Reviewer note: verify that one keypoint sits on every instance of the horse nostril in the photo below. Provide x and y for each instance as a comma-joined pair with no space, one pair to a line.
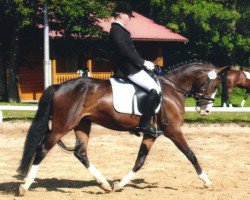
207,111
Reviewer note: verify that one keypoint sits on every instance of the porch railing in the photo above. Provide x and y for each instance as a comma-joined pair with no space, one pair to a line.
62,77
101,75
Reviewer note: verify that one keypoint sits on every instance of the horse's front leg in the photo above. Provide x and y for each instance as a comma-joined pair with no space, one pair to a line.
145,147
82,138
230,91
176,136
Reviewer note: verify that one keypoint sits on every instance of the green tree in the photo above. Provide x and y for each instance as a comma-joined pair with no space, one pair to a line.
216,29
15,16
76,17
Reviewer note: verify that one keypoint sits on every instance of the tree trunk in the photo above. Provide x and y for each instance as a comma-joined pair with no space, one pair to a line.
13,77
3,75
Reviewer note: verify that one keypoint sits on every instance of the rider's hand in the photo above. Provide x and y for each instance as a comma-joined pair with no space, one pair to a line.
149,65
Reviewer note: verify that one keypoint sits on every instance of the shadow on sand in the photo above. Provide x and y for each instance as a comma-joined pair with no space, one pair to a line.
59,184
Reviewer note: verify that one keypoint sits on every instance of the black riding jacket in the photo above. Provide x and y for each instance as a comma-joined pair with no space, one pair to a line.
129,60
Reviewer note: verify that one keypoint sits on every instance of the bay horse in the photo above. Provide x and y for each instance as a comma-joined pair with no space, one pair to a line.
233,79
76,104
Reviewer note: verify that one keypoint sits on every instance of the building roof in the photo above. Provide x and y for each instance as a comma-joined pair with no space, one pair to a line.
145,29
141,29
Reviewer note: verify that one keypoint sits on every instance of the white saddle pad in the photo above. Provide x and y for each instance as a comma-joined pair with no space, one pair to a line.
124,99
247,74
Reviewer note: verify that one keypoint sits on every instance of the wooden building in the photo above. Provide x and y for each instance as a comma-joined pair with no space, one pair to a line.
71,55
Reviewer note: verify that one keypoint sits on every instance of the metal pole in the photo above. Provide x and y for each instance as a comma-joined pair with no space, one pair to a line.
47,61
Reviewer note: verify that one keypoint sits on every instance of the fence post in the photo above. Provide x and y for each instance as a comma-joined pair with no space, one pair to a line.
54,77
1,116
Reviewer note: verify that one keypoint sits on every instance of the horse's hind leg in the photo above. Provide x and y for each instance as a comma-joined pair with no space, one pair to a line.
82,137
41,152
244,100
145,147
175,134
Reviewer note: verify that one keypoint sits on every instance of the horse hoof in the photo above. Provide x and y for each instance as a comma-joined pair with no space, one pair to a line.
209,185
22,190
116,186
106,187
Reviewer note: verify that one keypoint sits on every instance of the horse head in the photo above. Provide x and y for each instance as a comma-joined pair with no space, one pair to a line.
206,88
197,79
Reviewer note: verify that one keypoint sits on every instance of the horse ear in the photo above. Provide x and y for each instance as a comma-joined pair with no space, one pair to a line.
222,69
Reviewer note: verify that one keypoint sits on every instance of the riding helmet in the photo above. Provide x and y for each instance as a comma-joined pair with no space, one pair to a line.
123,7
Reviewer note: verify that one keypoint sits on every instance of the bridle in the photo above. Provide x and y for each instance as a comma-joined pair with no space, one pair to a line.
199,97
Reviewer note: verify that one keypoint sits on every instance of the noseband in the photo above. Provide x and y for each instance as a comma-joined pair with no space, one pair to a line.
202,96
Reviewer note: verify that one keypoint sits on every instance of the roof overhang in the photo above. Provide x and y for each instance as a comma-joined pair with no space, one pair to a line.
144,29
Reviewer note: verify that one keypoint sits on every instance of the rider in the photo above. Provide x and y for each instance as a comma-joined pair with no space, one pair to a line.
132,66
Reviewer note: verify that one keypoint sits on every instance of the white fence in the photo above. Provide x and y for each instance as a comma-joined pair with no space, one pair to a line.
29,108
187,109
222,109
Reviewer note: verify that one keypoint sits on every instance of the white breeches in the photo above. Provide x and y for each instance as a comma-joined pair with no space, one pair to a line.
143,79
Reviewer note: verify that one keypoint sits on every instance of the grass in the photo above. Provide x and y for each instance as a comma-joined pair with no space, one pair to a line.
9,115
242,118
236,98
18,115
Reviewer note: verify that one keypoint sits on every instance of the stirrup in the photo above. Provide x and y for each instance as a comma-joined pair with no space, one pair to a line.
135,132
154,133
139,131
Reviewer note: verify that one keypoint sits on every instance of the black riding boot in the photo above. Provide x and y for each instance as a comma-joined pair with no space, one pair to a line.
149,108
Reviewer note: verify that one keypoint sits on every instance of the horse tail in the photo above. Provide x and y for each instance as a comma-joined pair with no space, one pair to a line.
38,130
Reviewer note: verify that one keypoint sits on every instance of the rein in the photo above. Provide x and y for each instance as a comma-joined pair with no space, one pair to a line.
183,91
198,98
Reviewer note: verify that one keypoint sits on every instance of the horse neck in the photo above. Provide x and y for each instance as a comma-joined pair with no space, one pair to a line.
183,78
243,81
233,78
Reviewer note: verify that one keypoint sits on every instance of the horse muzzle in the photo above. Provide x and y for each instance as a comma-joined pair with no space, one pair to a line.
204,109
204,104
203,112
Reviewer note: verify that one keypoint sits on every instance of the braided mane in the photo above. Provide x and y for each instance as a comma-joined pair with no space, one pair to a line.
186,63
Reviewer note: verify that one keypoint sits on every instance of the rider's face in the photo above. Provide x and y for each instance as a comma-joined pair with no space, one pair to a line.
125,18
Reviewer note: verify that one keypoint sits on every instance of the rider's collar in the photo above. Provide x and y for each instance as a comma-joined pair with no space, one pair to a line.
119,23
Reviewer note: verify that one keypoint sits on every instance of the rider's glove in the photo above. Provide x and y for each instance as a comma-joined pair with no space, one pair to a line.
149,65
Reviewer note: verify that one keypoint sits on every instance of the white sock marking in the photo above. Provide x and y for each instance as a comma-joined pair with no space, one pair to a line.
126,179
242,103
99,177
205,178
30,177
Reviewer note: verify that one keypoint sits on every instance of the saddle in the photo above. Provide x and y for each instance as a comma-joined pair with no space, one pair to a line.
128,98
